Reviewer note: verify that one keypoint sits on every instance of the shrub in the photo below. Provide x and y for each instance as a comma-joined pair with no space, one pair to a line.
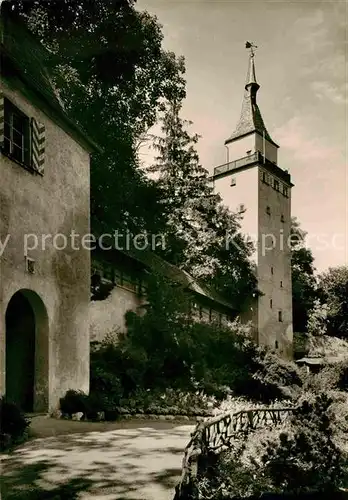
278,378
12,423
343,377
331,377
73,402
297,458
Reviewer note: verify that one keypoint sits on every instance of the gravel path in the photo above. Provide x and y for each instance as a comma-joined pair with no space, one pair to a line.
129,460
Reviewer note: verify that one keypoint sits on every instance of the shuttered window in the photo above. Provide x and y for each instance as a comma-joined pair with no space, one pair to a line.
16,134
22,139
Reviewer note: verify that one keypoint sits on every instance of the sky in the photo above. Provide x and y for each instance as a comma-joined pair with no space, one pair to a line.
301,66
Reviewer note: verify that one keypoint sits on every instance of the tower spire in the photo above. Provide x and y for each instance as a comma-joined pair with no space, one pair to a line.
251,76
250,119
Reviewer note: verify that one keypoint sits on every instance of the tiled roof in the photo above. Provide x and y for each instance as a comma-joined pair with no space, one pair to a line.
250,119
158,265
28,56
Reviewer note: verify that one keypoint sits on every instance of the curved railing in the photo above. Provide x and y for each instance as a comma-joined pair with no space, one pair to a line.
216,434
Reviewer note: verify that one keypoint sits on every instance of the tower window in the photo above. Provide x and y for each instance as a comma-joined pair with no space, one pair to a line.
282,218
276,184
281,284
268,210
276,345
271,303
280,316
285,191
272,270
264,177
233,181
241,207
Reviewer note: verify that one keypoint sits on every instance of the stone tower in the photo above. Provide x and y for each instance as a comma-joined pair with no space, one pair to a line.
252,182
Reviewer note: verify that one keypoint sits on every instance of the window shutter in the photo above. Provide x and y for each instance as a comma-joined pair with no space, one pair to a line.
38,145
2,119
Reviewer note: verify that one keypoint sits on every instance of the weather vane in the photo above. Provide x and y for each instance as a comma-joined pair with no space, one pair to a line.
252,47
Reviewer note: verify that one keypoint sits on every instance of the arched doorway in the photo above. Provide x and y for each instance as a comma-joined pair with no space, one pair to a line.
27,351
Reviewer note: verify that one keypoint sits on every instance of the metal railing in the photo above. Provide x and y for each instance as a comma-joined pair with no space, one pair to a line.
241,162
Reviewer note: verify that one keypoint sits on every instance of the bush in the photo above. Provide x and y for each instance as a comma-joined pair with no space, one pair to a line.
343,377
167,348
73,402
299,457
278,378
88,404
13,424
331,377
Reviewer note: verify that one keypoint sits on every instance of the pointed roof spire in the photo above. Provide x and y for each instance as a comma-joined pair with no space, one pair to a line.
250,119
251,77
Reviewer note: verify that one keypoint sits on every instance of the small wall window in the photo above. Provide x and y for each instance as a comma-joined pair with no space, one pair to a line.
272,270
280,316
281,284
276,345
108,274
268,210
125,280
30,265
271,303
129,282
242,207
233,181
205,314
282,218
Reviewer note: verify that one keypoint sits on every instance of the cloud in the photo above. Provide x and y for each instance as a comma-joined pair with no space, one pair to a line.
322,39
295,136
311,32
335,93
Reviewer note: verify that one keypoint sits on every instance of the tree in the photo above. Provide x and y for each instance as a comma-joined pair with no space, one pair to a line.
203,237
113,76
333,286
317,319
304,286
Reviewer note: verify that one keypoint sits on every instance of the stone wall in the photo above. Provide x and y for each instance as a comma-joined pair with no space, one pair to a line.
108,316
59,289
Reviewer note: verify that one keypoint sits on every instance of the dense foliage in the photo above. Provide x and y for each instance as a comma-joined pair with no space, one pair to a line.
168,348
300,458
333,286
304,286
13,424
